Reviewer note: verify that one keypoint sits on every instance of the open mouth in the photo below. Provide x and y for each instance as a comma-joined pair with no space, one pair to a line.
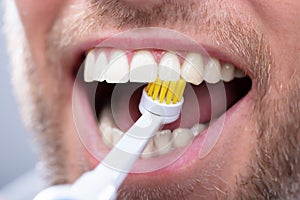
119,77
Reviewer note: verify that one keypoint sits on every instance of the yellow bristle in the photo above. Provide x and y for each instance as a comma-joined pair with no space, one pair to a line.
180,86
170,92
157,86
175,97
164,89
151,89
148,86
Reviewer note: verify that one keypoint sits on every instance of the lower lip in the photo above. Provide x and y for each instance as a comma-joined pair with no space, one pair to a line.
178,159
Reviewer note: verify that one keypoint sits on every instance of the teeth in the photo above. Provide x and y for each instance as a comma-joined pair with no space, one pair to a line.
239,73
105,126
227,72
89,67
197,129
116,135
101,67
182,137
212,71
118,68
143,67
106,135
162,141
169,67
149,150
192,69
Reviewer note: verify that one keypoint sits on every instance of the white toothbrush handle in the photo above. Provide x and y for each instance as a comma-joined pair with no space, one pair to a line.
103,182
106,178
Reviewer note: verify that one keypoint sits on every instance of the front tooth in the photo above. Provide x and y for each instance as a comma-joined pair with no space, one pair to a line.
89,67
182,137
101,67
192,69
239,73
169,67
148,152
143,67
116,135
118,68
227,72
212,71
162,141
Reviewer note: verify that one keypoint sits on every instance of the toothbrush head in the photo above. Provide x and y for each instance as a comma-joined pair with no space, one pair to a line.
163,98
168,91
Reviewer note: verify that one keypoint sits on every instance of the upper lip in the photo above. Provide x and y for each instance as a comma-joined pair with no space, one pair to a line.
154,38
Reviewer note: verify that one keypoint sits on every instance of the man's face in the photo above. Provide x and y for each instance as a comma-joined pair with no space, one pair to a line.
257,152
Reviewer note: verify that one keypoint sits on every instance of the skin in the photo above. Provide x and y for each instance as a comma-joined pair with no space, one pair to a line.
261,158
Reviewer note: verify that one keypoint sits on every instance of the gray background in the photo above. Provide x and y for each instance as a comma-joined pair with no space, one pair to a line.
16,155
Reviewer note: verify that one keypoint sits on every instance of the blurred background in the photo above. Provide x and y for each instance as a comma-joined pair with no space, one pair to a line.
16,155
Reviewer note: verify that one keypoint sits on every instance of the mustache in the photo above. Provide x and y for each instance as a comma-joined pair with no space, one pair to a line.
125,14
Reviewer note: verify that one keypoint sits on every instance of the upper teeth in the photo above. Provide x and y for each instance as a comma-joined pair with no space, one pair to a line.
143,67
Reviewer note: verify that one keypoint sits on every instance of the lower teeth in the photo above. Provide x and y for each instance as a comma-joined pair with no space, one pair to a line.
162,143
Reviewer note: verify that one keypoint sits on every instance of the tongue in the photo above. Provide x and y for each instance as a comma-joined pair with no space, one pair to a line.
201,103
